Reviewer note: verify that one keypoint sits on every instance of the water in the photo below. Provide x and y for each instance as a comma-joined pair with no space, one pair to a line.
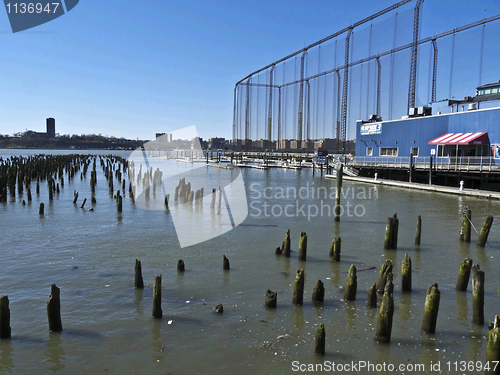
107,323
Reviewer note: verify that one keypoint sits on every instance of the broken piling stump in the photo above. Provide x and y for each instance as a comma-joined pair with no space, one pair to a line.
382,276
225,263
485,231
138,281
406,274
338,190
431,309
391,233
41,210
303,246
287,244
319,347
477,295
54,310
351,285
298,288
83,204
5,331
180,266
335,249
271,299
318,294
418,231
466,225
219,309
464,274
493,347
386,313
278,251
372,296
157,312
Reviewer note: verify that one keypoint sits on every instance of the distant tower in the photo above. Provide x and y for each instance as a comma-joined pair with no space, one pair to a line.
51,127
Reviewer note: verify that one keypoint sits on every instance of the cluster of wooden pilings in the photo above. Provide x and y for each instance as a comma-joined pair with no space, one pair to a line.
17,174
384,285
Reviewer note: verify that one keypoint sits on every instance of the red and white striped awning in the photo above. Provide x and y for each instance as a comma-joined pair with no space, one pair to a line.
461,139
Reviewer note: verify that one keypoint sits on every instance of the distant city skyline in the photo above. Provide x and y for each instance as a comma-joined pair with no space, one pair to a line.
119,68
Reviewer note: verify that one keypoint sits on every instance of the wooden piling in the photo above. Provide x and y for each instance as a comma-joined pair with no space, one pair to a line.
391,233
431,309
76,198
477,295
382,276
225,263
167,198
180,266
464,274
286,249
119,203
83,204
220,201
219,309
41,210
5,331
303,246
138,281
351,285
319,347
54,310
418,231
271,299
372,296
298,288
318,294
386,313
212,203
465,227
406,274
493,348
338,190
335,249
157,312
485,231
278,251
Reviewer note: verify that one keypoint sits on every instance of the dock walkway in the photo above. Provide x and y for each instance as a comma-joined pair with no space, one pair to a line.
434,188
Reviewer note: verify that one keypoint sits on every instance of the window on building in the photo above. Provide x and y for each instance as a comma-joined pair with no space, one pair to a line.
487,91
494,91
388,151
481,92
414,151
369,151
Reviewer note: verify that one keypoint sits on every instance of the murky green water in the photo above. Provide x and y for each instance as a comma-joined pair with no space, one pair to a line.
108,326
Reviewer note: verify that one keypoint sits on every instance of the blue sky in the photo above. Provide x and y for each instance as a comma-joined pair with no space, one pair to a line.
134,68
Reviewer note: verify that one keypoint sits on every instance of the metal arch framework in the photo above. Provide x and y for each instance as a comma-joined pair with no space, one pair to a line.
343,115
434,70
414,49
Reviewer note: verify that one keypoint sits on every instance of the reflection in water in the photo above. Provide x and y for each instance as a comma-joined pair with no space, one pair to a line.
429,355
138,293
336,274
481,255
318,309
463,249
475,343
54,352
286,266
462,308
350,313
6,362
404,309
383,355
298,317
155,339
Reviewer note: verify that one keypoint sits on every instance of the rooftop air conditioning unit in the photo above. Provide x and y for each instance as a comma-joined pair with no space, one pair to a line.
472,107
412,112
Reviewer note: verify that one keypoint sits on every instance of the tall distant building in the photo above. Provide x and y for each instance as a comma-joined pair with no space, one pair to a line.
51,127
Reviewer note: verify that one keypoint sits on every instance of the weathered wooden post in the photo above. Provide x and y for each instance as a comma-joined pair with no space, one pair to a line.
318,294
319,347
41,209
466,225
157,312
351,285
389,227
278,251
83,204
180,266
220,201
219,309
372,296
477,295
167,198
406,274
76,198
38,188
298,288
5,331
485,231
464,274
212,203
271,299
30,198
335,249
54,310
431,309
493,348
138,281
419,230
382,276
303,246
386,313
225,263
287,244
119,203
338,208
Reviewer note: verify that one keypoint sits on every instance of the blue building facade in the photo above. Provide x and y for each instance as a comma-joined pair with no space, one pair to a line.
465,123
